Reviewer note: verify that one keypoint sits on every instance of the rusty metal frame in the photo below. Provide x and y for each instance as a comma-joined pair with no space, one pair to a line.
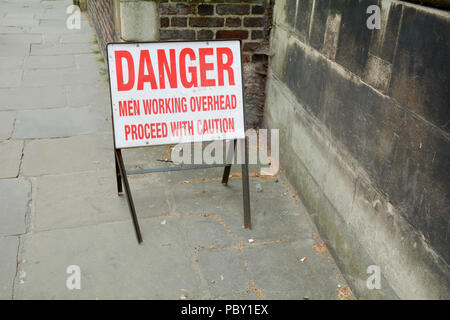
122,176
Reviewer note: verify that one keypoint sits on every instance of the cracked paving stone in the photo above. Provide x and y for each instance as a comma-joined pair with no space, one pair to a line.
205,232
8,262
79,199
277,267
227,263
10,156
56,123
66,155
113,265
32,98
272,219
15,195
7,119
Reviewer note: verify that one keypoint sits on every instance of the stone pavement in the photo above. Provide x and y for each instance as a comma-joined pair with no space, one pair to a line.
59,206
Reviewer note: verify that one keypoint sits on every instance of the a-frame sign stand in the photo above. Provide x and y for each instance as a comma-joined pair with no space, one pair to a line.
121,175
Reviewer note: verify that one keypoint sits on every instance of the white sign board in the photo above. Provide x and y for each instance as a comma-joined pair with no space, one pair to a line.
176,92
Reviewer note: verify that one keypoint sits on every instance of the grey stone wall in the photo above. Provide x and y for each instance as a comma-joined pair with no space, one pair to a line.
364,126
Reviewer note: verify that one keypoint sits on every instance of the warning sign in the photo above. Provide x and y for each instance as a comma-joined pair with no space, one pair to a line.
175,92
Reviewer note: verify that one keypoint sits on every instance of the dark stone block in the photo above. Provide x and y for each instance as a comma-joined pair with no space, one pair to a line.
305,77
406,158
419,181
354,36
303,17
420,77
383,45
365,122
290,8
319,23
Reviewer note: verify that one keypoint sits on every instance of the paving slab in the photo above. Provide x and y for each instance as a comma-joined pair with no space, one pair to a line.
8,63
16,49
6,124
112,265
93,61
95,77
67,201
82,95
277,268
10,156
8,262
19,15
13,30
226,264
42,77
50,62
144,158
63,122
13,79
63,48
58,26
32,98
205,232
20,38
19,22
84,38
65,155
275,214
14,197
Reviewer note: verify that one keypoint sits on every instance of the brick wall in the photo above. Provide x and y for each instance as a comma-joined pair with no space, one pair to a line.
226,19
101,15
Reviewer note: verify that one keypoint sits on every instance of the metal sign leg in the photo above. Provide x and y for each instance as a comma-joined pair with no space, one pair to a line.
246,189
230,155
123,173
118,176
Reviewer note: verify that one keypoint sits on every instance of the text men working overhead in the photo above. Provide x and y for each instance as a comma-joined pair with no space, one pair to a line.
176,92
173,92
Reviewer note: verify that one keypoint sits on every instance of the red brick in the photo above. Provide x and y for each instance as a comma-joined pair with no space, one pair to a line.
205,35
205,9
232,34
178,22
164,22
236,9
206,22
177,34
253,22
233,22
